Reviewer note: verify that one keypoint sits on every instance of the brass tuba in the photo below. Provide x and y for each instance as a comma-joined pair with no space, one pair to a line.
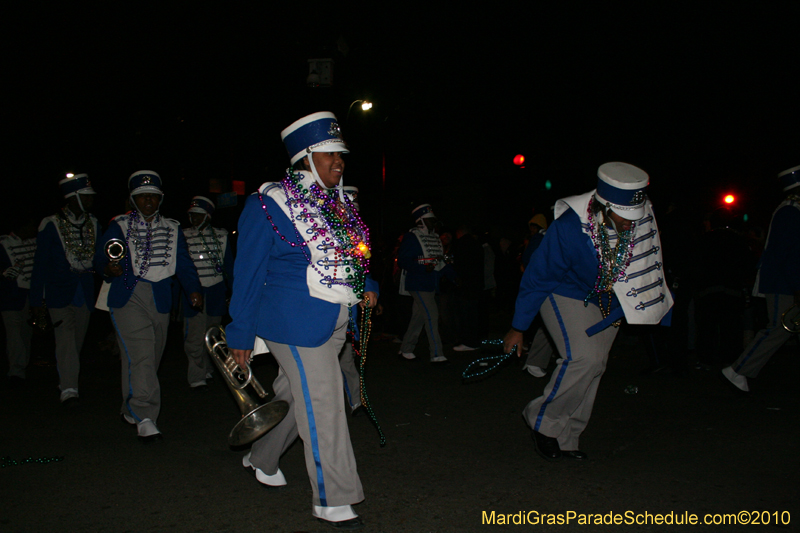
256,419
790,319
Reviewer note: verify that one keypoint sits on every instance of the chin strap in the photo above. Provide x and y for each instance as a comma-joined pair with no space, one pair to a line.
339,187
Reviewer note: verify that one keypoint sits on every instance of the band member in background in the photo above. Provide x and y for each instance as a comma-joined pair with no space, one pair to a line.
63,277
213,259
16,265
140,295
778,281
306,266
598,263
422,259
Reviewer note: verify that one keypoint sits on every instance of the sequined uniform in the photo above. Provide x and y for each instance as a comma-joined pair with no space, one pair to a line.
140,301
279,294
213,258
561,274
16,264
63,279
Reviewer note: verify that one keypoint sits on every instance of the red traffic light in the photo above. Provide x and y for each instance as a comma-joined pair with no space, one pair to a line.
729,199
519,160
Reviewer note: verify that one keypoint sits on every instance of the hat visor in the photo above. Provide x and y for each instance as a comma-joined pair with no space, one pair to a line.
334,145
146,189
198,210
87,190
628,212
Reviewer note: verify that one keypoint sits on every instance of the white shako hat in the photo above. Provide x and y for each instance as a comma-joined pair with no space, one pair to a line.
422,211
621,187
76,184
318,132
201,205
790,178
144,181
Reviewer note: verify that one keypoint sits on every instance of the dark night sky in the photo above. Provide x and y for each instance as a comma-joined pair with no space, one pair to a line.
703,98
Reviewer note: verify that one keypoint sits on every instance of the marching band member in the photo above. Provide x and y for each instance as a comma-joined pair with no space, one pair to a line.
16,264
140,296
306,267
62,277
778,281
598,263
213,259
421,257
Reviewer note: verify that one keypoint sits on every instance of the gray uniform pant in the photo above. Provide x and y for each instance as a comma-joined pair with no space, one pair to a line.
142,335
541,350
310,380
194,344
564,408
352,379
18,340
768,340
69,341
425,314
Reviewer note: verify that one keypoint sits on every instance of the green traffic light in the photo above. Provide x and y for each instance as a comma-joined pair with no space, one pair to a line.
548,185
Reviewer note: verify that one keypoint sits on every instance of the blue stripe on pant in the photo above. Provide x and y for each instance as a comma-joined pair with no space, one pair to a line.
312,426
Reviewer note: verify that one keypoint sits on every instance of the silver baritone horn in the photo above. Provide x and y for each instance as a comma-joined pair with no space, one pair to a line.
115,250
256,419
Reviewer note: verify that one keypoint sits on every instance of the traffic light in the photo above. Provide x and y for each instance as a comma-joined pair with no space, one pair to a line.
729,199
519,160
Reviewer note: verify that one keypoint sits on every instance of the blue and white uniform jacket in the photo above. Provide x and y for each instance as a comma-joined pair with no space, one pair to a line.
213,260
168,256
565,263
59,277
272,296
779,270
418,249
18,253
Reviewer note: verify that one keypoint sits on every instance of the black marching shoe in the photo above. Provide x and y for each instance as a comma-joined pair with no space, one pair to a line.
574,454
546,447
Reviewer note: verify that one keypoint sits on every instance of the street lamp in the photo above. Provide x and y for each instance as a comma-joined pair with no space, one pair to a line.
365,106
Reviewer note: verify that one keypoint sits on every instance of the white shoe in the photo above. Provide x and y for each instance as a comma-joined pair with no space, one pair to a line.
740,382
201,383
535,371
464,348
69,394
439,359
339,513
147,430
129,419
408,355
275,480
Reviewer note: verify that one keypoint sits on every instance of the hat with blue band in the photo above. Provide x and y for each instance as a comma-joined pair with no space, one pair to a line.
77,184
422,211
318,132
201,205
790,178
622,188
144,181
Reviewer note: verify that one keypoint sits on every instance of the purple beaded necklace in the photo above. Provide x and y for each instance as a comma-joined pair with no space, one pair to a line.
611,262
340,228
143,249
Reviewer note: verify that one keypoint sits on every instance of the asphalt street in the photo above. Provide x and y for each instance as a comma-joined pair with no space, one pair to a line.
456,452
